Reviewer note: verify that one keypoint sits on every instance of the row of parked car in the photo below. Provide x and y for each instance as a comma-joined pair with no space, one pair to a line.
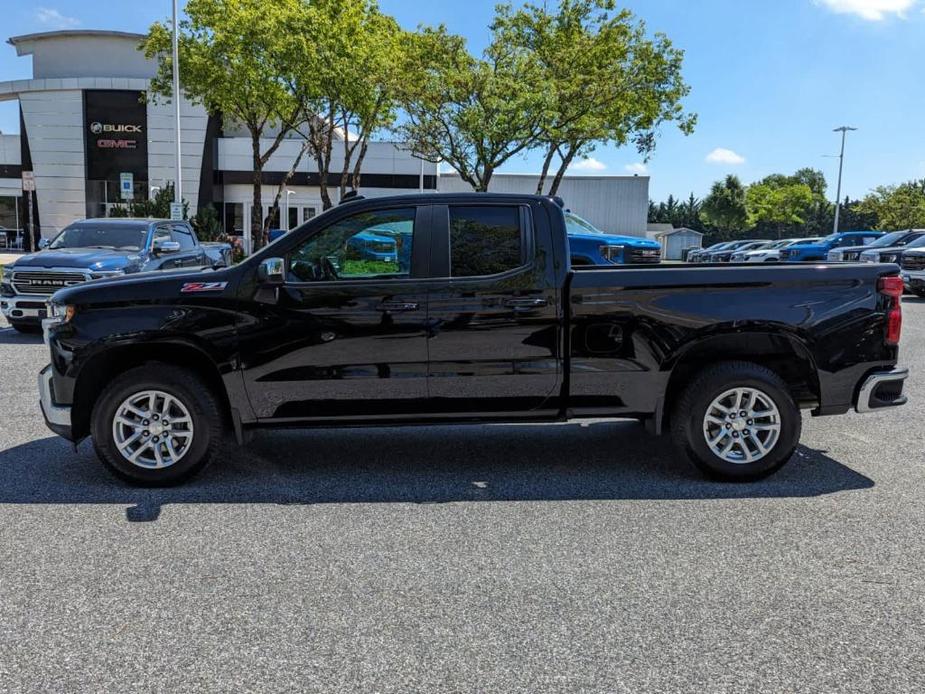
905,248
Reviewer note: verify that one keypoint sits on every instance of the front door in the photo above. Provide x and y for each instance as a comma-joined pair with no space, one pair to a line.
344,337
493,319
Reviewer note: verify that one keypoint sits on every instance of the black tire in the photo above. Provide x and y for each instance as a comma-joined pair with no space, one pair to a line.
182,384
688,419
26,328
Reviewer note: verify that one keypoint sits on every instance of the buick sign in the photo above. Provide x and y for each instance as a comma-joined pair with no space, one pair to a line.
97,128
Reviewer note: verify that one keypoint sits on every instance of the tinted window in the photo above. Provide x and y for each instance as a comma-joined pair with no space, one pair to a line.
484,240
89,235
183,236
369,245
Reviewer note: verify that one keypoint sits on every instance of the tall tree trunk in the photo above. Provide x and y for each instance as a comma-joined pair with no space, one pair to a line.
257,202
355,182
282,186
564,164
485,179
348,155
546,164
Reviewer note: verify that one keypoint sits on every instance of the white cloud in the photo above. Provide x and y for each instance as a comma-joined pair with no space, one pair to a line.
589,164
637,168
721,155
51,17
871,10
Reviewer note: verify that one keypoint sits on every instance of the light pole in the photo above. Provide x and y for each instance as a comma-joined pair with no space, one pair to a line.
841,160
178,186
288,193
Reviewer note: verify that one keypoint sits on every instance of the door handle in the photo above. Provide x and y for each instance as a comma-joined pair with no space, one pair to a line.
398,306
525,303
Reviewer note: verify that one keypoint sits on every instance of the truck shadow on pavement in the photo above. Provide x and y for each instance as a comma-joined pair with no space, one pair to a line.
9,336
612,460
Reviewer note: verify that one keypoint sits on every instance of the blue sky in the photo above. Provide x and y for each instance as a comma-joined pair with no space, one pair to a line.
770,79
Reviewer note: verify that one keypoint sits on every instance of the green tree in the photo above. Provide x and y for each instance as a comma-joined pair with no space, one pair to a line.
604,79
230,51
157,207
777,204
724,208
896,207
473,113
343,62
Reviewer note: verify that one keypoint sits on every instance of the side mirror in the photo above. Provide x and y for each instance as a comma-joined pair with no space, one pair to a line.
272,271
162,247
44,243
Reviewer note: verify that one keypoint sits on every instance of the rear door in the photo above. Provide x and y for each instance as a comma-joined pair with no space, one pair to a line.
493,326
344,337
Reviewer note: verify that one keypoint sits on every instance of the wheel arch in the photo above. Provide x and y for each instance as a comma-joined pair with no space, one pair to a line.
787,354
106,364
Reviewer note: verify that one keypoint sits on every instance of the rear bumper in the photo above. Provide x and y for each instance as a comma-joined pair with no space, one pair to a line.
882,389
57,417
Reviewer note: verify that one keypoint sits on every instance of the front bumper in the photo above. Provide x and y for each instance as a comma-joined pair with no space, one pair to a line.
24,308
882,389
914,279
57,417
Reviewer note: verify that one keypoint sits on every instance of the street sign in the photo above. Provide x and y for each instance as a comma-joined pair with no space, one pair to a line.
176,211
28,181
127,186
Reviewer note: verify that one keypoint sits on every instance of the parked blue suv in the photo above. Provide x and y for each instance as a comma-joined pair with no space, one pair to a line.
819,250
588,245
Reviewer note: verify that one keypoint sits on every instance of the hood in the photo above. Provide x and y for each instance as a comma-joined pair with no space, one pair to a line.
96,259
617,240
139,286
853,249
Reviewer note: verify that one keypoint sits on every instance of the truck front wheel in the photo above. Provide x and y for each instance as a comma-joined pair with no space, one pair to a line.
737,421
156,425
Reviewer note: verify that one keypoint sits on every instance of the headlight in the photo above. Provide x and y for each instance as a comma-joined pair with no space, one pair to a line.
7,274
102,274
611,253
60,313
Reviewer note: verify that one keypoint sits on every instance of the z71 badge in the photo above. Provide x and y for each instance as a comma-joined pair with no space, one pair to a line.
192,287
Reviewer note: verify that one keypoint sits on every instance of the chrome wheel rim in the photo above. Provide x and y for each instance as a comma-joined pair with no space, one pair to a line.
742,425
152,429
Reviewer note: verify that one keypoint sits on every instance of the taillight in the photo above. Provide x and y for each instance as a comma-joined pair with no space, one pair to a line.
892,287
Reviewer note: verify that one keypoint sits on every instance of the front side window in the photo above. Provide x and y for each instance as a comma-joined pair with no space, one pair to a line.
484,240
369,245
183,236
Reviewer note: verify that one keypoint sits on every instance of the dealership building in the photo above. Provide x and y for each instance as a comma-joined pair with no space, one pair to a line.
90,138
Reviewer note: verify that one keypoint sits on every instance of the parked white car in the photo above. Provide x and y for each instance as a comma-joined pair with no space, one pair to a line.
771,252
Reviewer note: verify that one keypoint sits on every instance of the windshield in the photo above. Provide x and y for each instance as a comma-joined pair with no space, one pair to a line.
576,225
887,239
111,236
918,243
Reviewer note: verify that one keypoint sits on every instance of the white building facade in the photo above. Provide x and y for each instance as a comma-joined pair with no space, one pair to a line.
87,126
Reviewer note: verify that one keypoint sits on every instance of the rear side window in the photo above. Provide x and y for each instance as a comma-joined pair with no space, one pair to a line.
485,240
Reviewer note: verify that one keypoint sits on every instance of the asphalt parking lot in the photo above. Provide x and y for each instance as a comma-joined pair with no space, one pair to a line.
558,558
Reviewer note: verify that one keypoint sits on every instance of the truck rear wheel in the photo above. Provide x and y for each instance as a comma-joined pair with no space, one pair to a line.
737,421
156,425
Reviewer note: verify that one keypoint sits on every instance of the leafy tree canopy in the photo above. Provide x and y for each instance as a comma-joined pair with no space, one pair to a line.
897,207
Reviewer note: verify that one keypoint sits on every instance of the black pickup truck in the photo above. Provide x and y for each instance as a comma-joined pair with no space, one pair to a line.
476,317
